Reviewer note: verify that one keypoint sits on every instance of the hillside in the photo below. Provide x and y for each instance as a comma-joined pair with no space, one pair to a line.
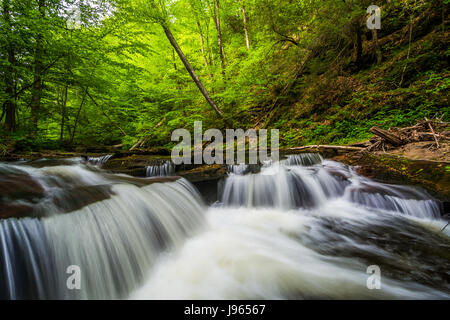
130,72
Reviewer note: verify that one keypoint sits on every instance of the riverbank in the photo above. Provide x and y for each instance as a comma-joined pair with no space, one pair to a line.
412,164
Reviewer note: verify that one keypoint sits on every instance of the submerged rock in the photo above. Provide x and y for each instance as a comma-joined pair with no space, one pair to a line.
15,184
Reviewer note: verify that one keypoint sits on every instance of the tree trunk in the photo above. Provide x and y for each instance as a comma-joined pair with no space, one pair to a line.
377,46
191,71
104,113
63,113
358,44
202,42
247,41
174,60
216,18
36,92
208,46
10,104
78,116
320,146
3,113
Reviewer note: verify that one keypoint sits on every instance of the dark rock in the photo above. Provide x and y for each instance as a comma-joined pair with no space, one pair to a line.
14,210
133,165
19,185
204,173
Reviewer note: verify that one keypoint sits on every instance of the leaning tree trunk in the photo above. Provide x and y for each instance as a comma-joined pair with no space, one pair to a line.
191,70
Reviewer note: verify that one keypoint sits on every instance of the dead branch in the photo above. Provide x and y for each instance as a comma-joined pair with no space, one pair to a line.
395,137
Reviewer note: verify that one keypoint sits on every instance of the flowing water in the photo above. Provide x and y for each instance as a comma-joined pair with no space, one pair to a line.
299,229
98,161
165,169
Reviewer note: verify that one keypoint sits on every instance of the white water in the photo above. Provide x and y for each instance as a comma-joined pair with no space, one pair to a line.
165,169
272,237
114,241
289,232
99,161
259,254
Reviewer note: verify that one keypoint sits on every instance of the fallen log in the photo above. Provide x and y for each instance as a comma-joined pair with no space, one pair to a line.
363,144
387,136
321,146
137,144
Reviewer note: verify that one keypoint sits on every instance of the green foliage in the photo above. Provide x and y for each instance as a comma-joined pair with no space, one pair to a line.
117,79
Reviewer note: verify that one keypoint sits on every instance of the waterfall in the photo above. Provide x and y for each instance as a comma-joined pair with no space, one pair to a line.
305,181
165,169
300,228
309,228
99,161
272,254
239,169
303,159
26,269
113,241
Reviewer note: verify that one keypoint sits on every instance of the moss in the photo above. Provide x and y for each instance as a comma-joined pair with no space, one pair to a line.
430,175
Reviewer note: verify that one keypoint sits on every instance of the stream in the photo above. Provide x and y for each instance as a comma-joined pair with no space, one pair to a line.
301,228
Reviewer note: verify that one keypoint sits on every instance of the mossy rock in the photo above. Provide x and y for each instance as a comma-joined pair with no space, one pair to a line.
204,173
433,176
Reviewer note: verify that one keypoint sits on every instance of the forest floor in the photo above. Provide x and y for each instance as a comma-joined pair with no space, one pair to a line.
422,151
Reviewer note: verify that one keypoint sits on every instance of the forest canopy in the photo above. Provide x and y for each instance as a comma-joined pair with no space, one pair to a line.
98,72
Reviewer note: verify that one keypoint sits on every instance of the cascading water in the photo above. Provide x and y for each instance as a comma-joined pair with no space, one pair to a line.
114,239
301,228
305,181
239,169
98,161
165,169
304,159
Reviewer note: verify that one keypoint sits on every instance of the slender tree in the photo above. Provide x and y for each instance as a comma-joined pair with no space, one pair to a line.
36,92
377,46
9,106
215,10
156,11
196,7
244,16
